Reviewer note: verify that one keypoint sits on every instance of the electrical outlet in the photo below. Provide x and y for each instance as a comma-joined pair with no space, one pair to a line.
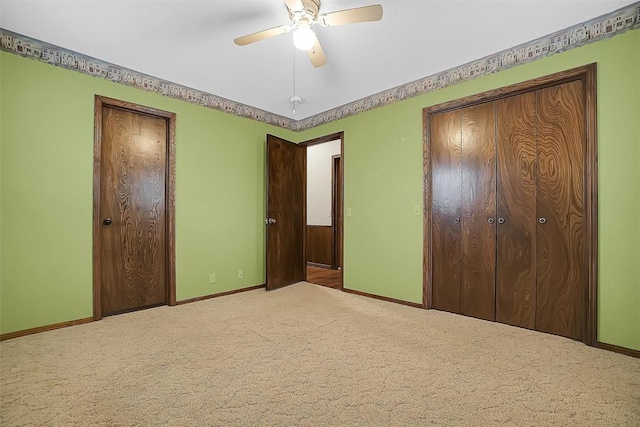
416,210
241,274
212,278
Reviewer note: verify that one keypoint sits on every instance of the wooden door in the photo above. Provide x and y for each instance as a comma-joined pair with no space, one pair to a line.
132,213
478,211
516,256
286,212
560,208
446,260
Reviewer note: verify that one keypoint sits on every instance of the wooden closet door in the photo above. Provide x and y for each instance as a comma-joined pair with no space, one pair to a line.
446,204
560,228
516,251
133,256
478,211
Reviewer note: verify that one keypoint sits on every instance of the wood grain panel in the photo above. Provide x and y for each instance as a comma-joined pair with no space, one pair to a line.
446,210
591,203
324,276
336,210
319,244
573,74
516,253
525,186
427,200
478,206
286,203
560,240
133,253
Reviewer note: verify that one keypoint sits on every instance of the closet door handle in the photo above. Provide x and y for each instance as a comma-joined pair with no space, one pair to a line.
500,220
542,220
491,220
457,220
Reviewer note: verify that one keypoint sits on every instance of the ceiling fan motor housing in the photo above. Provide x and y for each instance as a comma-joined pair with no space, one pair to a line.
309,11
304,15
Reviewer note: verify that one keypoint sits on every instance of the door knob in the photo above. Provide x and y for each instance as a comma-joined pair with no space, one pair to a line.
542,220
457,220
500,220
491,220
106,221
272,220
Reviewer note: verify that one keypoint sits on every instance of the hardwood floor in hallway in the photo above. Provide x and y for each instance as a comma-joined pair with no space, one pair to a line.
324,276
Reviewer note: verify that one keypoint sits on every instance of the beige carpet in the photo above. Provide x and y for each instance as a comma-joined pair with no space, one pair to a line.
310,356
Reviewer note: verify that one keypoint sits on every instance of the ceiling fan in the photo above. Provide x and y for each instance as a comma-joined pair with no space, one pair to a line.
304,14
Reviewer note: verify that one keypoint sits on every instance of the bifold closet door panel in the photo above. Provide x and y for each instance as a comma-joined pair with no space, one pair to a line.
560,233
516,250
445,224
478,211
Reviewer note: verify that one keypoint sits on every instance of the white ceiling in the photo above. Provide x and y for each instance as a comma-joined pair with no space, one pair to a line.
191,42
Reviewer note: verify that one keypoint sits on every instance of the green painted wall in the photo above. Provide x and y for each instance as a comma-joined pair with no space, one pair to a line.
383,181
1,57
46,197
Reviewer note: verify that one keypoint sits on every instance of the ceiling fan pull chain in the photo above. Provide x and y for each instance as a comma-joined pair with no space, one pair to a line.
294,98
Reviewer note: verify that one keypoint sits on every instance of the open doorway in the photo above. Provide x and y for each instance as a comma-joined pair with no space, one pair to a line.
323,253
297,249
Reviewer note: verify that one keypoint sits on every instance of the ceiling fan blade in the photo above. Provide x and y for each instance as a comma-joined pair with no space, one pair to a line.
317,55
261,35
351,16
294,5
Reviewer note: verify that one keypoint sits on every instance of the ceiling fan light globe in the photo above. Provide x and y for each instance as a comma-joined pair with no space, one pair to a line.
304,38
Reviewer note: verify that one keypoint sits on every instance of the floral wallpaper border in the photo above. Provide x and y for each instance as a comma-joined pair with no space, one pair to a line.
595,29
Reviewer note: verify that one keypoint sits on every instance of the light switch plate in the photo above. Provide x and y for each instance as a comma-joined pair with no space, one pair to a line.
348,211
416,210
